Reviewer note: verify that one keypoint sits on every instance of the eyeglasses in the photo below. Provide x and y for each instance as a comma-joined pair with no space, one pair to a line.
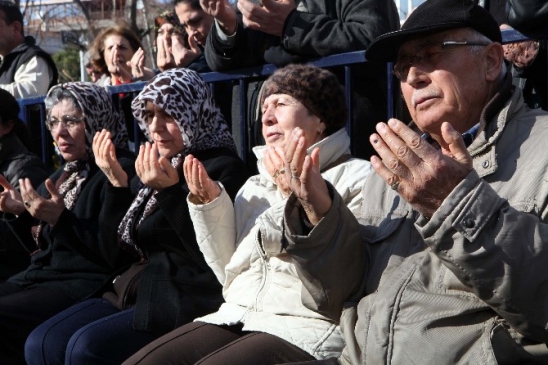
67,121
427,57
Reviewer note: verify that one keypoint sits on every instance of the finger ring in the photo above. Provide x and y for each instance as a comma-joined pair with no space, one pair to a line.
395,186
295,176
27,204
278,173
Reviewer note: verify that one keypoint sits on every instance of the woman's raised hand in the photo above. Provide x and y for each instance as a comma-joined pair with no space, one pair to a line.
46,209
164,58
105,158
154,170
137,64
305,179
200,185
274,162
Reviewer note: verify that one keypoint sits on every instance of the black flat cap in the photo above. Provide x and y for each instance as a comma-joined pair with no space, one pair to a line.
434,16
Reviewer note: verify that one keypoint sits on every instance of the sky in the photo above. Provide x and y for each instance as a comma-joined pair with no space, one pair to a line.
403,6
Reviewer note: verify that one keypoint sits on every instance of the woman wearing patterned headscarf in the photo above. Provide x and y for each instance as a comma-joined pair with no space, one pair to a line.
61,218
174,284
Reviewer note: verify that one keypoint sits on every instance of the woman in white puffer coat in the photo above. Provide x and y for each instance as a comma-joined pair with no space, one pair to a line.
263,319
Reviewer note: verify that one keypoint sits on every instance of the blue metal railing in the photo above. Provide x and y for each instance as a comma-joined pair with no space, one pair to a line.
33,109
35,105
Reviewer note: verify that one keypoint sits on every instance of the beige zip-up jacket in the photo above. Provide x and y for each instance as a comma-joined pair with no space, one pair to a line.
244,247
468,286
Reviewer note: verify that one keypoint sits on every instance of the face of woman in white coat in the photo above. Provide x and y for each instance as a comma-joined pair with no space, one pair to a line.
281,114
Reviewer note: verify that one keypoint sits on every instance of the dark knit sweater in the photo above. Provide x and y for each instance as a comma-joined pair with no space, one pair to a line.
177,285
75,257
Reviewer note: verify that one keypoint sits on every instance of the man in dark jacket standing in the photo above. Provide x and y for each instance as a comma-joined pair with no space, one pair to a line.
25,69
292,31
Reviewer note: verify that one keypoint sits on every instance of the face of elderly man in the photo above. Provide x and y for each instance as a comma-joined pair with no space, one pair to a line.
447,83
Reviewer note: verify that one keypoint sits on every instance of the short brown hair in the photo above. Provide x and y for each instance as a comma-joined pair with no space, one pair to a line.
97,48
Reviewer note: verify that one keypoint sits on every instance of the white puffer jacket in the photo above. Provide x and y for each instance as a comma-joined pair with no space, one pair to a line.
243,245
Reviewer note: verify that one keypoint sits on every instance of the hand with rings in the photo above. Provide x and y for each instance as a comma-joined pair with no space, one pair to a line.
10,199
278,173
274,162
420,173
306,181
46,209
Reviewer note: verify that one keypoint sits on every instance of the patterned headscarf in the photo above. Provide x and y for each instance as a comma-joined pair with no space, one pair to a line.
99,113
98,110
185,96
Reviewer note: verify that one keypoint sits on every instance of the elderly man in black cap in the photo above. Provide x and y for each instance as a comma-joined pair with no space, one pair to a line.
452,233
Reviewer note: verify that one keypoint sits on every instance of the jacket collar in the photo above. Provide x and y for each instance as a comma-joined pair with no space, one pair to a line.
494,119
28,41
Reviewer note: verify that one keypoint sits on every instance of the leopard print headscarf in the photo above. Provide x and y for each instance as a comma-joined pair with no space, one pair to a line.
99,113
98,110
186,97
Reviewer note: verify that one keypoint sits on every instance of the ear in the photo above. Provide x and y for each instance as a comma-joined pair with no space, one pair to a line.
494,56
17,28
8,126
321,127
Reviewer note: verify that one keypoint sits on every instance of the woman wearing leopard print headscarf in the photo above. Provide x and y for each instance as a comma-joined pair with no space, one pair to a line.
59,221
178,116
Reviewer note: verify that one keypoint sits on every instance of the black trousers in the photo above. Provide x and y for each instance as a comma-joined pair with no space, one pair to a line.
21,310
208,344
